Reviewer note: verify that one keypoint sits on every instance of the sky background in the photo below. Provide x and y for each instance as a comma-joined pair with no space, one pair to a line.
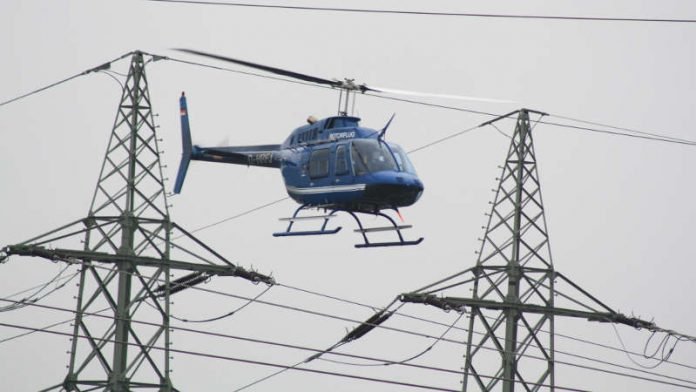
620,210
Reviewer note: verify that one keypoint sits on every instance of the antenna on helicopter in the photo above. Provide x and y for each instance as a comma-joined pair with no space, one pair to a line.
384,130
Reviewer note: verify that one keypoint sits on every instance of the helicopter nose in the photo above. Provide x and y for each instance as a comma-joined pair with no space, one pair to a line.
399,192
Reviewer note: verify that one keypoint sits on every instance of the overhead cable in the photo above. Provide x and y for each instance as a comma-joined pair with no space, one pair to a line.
242,360
98,68
617,131
214,356
431,13
393,329
321,352
228,314
655,134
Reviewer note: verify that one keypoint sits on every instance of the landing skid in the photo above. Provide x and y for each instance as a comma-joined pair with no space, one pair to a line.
361,229
288,232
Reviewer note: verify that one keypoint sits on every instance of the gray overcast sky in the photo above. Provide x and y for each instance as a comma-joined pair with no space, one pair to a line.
620,211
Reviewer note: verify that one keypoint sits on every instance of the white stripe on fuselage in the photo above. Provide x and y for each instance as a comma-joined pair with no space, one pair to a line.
326,189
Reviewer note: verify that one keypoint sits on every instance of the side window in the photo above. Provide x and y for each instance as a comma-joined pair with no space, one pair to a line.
319,163
341,160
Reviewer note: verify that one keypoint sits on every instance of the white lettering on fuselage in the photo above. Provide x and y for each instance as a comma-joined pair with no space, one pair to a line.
342,135
264,158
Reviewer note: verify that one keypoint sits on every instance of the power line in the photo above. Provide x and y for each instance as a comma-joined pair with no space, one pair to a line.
234,359
417,333
638,134
243,339
42,286
625,131
441,338
98,68
284,367
405,315
444,139
37,296
431,13
393,329
228,314
239,215
411,358
461,343
644,135
655,134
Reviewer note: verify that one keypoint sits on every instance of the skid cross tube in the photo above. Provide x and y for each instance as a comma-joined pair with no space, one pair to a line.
361,229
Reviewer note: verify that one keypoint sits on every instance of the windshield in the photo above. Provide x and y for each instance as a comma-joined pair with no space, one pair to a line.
369,156
402,159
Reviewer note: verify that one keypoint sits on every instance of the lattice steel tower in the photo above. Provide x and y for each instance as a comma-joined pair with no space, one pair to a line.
126,260
515,291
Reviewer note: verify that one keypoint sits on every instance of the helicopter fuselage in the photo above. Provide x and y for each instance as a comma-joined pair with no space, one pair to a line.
332,163
338,164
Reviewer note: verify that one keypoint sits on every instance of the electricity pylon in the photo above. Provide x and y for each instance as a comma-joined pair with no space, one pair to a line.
127,259
515,291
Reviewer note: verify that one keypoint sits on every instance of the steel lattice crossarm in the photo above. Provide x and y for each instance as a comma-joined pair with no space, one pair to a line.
459,304
205,265
585,305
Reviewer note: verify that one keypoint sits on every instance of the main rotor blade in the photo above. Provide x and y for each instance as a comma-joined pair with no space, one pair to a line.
435,95
278,71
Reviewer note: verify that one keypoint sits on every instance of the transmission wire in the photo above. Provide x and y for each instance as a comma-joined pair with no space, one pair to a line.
233,312
432,337
409,359
215,356
42,285
619,128
36,297
334,373
409,332
431,13
319,352
88,71
393,329
638,134
403,331
283,367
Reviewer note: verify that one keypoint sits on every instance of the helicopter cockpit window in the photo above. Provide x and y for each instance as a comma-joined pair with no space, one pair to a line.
319,163
341,160
369,156
402,159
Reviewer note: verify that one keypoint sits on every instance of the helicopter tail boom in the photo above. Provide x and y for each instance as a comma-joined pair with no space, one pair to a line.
268,155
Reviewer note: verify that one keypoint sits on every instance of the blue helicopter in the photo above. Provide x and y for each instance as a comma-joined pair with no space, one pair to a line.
331,164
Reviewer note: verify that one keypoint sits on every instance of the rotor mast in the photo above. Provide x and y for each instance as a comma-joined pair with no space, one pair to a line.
347,90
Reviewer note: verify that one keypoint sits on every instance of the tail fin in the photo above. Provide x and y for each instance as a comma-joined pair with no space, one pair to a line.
186,145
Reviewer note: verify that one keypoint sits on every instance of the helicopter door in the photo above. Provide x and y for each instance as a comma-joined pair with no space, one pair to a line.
319,167
342,173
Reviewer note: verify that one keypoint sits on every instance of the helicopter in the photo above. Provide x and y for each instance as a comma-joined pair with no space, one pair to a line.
332,164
